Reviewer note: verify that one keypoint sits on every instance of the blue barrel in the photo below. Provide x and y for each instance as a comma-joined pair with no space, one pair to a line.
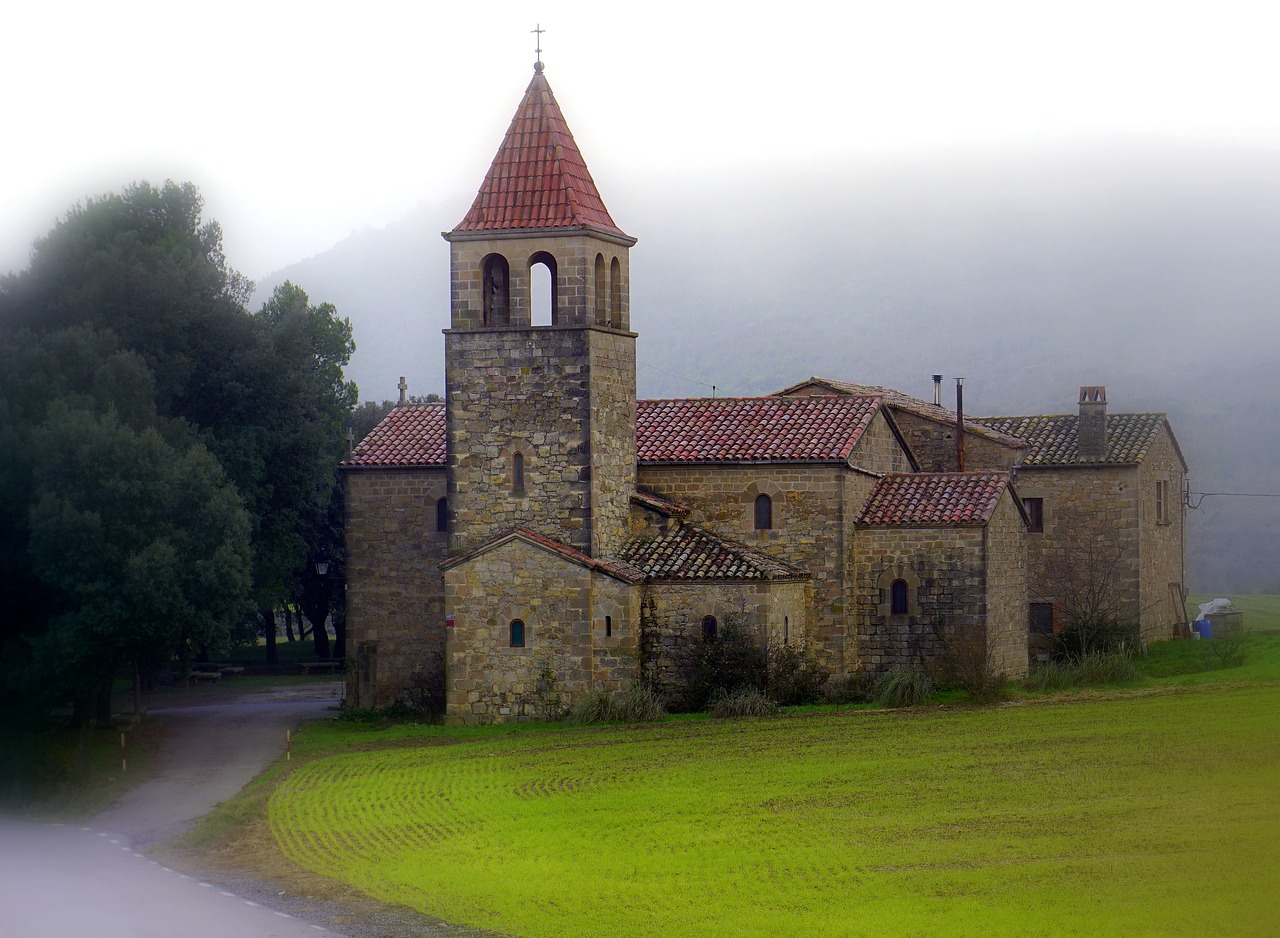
1206,628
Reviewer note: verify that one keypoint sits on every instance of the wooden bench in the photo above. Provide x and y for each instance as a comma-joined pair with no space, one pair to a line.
327,666
201,677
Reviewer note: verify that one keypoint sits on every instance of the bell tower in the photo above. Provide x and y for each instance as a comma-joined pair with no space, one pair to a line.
540,404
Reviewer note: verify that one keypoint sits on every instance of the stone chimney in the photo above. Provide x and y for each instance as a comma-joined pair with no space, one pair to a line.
1092,442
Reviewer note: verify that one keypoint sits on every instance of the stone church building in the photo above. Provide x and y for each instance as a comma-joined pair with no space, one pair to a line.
543,524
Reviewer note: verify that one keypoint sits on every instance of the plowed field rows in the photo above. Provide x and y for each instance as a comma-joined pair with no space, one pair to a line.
1148,815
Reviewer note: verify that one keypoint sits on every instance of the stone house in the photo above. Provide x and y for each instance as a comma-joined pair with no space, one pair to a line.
542,532
1104,494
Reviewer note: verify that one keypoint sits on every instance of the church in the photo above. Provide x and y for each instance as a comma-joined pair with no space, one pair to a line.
544,527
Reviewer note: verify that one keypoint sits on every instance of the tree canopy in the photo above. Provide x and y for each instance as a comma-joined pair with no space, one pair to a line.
172,455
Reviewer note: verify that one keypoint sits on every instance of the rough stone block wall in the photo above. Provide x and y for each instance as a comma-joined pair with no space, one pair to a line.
1008,616
1162,543
934,445
1091,536
565,399
946,567
673,613
878,449
813,508
395,590
491,682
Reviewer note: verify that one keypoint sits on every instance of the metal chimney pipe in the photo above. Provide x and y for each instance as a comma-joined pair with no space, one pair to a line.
937,390
960,424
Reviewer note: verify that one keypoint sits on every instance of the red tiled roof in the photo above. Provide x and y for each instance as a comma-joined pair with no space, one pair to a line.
934,498
659,504
700,430
690,553
1054,439
751,429
915,405
538,178
410,435
617,569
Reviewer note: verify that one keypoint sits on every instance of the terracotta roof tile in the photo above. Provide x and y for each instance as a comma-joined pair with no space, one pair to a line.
1054,439
700,430
751,429
915,405
538,179
690,553
410,435
659,504
933,498
615,568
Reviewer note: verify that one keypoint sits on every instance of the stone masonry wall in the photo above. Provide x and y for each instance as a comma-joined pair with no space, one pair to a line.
878,449
564,398
562,605
1007,614
934,445
771,613
812,510
944,570
1162,542
395,590
1090,536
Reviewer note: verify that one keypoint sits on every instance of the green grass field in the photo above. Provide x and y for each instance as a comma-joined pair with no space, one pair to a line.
1261,613
1149,812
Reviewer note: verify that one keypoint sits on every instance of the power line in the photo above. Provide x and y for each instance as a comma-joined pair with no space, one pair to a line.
1201,496
670,374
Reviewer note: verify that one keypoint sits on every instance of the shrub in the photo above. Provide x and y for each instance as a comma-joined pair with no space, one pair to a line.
901,688
1098,667
638,705
743,702
794,676
730,661
967,662
845,688
1226,649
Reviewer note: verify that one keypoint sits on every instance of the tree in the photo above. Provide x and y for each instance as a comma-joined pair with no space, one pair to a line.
142,543
264,393
1093,599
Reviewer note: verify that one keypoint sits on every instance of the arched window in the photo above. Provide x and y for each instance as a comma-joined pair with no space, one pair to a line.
608,626
497,291
517,472
898,598
442,514
615,294
764,512
786,630
516,632
710,628
602,293
542,290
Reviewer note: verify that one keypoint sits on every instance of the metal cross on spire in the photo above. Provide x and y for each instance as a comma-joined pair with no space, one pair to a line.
537,66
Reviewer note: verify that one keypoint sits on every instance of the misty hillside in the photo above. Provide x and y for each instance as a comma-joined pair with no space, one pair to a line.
1152,273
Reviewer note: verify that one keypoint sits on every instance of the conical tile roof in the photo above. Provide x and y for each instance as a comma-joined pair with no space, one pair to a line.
538,179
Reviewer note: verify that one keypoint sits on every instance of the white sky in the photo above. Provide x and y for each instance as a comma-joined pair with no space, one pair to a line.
303,121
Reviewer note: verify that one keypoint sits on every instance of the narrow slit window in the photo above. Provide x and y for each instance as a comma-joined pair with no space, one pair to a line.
442,515
898,598
608,626
764,512
517,633
517,472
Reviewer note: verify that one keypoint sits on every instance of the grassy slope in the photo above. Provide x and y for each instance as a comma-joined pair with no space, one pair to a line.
1151,812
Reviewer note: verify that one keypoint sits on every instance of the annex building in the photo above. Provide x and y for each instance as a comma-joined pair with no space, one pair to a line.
542,524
